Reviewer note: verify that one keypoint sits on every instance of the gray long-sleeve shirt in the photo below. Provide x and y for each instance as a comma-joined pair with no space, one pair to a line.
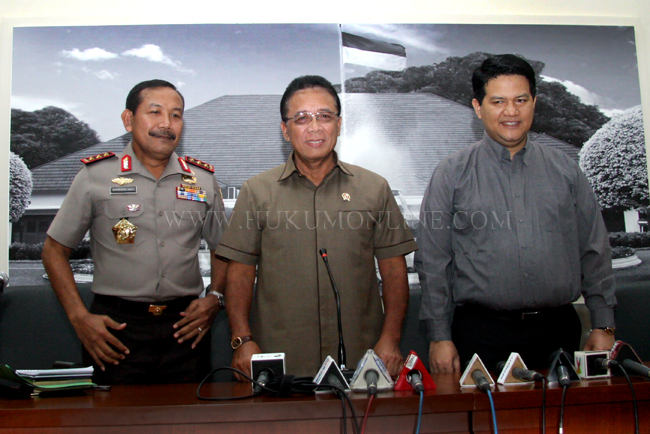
511,234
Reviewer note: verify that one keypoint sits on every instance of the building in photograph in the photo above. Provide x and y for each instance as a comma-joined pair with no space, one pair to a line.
402,136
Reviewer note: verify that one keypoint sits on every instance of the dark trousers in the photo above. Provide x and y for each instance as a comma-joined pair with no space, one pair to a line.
155,356
493,335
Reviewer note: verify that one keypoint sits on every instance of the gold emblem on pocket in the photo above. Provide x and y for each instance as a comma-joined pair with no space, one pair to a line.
124,232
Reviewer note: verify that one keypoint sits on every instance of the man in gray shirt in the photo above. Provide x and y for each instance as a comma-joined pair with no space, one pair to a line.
511,235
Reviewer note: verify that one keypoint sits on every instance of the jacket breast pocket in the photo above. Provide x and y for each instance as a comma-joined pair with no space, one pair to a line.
188,220
110,213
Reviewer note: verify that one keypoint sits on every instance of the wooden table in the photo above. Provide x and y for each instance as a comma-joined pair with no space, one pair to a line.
592,407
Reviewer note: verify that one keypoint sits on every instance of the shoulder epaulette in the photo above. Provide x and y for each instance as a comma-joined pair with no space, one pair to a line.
97,157
199,163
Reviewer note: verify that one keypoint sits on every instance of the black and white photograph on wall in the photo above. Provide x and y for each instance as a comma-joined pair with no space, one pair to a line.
406,104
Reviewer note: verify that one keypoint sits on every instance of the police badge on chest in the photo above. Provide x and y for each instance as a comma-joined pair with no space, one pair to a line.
124,232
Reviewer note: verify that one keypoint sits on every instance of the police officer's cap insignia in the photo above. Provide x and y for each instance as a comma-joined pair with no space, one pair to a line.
199,163
121,180
189,179
97,157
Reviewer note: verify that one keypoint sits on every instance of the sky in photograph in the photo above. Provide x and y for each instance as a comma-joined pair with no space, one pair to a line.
88,70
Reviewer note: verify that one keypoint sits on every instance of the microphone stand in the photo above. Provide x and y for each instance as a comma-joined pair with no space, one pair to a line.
347,373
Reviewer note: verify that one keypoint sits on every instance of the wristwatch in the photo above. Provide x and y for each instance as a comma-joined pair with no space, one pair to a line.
220,297
239,341
608,330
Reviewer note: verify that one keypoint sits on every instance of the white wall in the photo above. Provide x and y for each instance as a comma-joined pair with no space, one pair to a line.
101,12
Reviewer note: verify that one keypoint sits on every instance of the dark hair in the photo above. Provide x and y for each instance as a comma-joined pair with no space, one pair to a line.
307,82
134,98
503,64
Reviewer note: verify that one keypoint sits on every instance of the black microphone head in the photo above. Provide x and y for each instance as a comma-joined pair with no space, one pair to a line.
636,368
563,375
265,376
499,367
323,252
333,380
371,376
481,380
415,379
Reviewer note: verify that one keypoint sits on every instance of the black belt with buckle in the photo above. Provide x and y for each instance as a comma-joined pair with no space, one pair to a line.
512,315
143,308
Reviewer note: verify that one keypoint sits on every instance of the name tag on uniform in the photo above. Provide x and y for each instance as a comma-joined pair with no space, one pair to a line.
187,192
124,190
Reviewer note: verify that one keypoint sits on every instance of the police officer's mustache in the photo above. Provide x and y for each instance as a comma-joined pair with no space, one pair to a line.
163,134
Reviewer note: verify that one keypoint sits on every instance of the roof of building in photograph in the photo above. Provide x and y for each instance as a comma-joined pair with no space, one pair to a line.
400,136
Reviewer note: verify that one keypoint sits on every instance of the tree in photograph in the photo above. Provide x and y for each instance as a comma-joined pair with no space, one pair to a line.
562,115
44,135
614,160
558,112
20,187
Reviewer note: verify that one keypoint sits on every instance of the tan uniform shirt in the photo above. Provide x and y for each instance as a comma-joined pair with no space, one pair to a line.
162,263
280,221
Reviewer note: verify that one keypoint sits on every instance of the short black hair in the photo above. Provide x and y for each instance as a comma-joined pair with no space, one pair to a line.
134,98
307,82
502,64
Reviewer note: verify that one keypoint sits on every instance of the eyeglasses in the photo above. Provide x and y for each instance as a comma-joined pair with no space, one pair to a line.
304,118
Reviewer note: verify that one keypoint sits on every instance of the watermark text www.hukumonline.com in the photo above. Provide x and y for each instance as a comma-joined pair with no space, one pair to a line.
347,220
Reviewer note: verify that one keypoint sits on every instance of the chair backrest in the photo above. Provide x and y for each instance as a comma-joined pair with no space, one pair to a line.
633,317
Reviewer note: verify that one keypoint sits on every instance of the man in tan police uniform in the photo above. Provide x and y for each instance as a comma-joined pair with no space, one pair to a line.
146,209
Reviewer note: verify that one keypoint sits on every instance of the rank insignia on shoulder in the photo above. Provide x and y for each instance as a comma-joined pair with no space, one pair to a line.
184,165
97,157
126,163
199,163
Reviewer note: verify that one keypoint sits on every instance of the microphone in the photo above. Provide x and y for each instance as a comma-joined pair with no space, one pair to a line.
333,380
521,373
371,375
563,375
372,378
526,374
265,368
562,370
263,379
603,363
414,375
415,379
330,374
636,368
625,355
481,382
337,296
